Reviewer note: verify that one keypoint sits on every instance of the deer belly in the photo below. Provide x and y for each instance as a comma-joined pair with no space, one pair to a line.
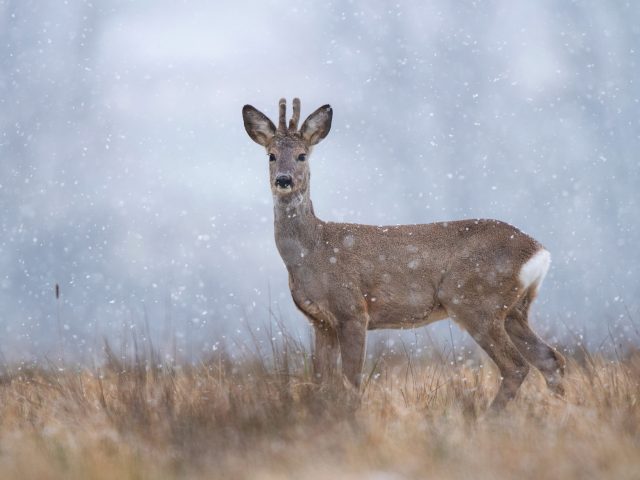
406,314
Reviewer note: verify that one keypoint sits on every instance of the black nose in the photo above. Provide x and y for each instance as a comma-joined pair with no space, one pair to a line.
284,181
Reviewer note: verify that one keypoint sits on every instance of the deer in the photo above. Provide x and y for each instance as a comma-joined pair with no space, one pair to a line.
349,278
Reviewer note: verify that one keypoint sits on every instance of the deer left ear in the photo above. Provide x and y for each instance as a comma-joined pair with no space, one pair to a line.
317,125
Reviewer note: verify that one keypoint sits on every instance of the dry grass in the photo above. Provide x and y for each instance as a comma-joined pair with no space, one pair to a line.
257,418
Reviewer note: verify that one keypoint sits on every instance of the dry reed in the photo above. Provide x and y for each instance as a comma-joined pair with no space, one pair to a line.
261,416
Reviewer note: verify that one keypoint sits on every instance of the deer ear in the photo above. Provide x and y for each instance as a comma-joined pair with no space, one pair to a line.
317,125
258,126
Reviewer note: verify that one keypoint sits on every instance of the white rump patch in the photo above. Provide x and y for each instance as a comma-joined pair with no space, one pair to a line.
534,270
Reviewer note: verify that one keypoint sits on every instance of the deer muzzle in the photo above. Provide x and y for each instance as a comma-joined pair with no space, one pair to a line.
284,182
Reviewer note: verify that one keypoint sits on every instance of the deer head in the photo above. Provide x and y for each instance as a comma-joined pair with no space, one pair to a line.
288,149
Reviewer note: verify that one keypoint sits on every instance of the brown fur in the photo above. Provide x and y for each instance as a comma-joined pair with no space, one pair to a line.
348,278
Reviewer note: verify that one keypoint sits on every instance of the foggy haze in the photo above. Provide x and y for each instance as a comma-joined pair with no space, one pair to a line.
127,177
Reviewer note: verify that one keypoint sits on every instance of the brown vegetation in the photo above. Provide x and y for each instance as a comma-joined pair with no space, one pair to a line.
264,418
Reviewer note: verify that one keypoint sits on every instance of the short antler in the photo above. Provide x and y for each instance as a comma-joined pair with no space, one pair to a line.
282,122
293,123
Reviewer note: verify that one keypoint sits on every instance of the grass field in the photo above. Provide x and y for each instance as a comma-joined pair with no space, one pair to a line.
262,417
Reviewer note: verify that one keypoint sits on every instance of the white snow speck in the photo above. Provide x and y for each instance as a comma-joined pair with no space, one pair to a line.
349,241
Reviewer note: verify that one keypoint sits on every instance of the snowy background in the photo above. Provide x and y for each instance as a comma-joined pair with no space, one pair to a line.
127,178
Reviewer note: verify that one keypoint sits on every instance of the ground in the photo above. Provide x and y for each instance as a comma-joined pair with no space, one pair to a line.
263,417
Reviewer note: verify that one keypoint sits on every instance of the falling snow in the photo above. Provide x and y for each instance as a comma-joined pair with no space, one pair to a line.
128,180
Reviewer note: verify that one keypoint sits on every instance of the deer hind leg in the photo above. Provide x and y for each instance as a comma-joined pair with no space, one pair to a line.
325,353
489,332
542,356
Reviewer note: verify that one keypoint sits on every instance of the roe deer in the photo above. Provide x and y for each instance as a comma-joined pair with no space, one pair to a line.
349,278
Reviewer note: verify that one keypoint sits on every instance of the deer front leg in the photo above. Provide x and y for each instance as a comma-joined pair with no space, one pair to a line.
352,336
325,353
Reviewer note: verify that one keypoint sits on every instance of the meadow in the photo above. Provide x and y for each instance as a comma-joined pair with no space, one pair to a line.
259,415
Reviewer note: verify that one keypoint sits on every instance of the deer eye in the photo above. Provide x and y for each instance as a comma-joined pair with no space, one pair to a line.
272,157
302,157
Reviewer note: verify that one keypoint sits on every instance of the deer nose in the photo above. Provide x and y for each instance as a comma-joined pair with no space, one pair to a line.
284,181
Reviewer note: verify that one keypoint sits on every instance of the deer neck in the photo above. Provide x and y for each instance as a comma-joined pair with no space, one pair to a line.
297,229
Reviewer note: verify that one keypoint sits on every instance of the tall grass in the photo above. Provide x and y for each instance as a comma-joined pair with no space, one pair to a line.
260,415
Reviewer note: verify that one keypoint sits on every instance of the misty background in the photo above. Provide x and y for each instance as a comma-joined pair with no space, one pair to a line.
126,176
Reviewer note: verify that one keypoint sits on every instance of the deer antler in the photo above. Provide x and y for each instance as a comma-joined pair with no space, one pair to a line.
293,123
282,122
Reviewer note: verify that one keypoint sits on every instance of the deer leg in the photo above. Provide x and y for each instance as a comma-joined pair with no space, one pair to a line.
545,358
325,353
493,338
352,336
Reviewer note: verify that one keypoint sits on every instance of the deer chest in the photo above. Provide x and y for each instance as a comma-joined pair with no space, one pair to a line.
310,296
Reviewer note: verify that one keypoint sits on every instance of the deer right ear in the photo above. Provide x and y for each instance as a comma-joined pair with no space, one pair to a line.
258,126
